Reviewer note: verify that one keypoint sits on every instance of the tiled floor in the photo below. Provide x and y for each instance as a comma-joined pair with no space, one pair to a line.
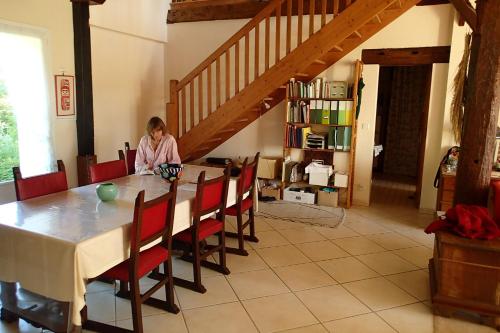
369,275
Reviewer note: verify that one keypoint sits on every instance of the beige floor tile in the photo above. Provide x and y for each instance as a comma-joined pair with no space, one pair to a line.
218,291
262,224
330,303
301,235
283,224
256,284
379,294
281,312
18,327
419,236
347,269
304,276
386,263
282,256
322,250
162,323
98,286
418,256
453,325
365,227
230,317
335,233
414,318
392,241
238,264
269,239
101,306
307,329
184,269
358,245
366,323
415,283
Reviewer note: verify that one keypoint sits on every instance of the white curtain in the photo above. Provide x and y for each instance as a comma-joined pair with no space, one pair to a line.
24,68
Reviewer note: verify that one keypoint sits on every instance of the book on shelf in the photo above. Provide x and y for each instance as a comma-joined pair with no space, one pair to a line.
319,88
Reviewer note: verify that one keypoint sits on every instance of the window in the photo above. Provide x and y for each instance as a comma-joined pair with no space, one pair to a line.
25,119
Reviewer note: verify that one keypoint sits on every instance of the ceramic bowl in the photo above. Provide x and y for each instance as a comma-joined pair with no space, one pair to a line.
107,191
171,171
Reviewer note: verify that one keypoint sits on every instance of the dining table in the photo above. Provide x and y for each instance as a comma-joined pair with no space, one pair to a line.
54,244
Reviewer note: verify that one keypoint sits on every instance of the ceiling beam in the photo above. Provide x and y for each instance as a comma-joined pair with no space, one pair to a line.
407,56
467,12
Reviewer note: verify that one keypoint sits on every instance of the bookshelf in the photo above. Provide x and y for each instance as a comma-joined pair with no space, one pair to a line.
320,121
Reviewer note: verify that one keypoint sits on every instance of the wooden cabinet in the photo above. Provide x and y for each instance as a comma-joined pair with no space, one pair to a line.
446,190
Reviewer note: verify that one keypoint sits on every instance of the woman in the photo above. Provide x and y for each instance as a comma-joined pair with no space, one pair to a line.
156,148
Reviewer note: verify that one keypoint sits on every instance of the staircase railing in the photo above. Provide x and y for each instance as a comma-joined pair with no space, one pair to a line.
234,65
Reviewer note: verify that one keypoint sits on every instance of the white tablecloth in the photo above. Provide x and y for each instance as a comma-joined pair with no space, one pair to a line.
53,244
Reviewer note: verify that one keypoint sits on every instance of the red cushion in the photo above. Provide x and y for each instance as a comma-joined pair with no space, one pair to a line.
148,260
108,170
245,205
131,160
212,195
41,185
248,175
208,227
153,220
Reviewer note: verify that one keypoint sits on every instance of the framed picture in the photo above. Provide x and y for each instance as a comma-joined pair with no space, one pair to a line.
65,95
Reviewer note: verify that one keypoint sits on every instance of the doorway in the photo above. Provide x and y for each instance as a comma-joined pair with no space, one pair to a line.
400,133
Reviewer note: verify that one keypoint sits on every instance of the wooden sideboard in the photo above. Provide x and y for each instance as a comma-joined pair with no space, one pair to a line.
446,190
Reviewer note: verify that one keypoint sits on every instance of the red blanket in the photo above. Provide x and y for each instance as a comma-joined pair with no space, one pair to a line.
467,221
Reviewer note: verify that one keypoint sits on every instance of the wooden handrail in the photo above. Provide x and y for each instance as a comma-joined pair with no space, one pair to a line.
266,12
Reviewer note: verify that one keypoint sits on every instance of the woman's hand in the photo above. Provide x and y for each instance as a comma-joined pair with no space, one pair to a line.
150,165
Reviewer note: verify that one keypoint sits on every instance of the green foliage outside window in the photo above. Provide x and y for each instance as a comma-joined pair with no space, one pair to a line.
9,149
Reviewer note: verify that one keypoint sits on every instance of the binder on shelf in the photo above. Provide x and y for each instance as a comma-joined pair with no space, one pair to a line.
306,131
348,115
342,113
332,131
339,138
347,138
325,115
334,113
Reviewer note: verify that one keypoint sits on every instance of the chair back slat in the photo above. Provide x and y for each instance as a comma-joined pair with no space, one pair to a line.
153,219
31,187
101,172
211,195
247,176
130,158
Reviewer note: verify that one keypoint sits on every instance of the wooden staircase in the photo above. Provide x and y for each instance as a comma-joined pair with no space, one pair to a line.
237,84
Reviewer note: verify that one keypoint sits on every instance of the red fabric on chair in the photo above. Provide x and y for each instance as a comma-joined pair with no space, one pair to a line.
212,194
208,227
467,221
148,260
246,204
101,172
249,177
153,220
41,185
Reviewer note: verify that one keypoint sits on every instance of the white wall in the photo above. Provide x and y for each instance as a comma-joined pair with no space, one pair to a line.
420,26
55,17
128,71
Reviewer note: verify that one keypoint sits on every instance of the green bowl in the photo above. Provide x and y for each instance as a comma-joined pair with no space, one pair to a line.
106,191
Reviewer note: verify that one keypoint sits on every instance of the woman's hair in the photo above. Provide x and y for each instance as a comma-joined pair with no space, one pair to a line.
154,124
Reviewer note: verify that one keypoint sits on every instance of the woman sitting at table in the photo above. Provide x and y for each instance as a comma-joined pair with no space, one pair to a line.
156,148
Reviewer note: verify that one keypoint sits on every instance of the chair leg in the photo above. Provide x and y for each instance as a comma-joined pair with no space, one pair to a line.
169,287
135,301
241,242
197,266
252,237
222,252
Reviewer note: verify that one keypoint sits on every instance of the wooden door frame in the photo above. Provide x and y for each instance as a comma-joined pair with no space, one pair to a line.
412,57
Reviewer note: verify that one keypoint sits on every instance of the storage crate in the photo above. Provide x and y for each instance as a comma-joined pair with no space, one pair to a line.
269,167
330,199
319,174
303,197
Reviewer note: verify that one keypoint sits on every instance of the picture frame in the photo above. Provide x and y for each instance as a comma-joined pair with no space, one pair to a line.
65,95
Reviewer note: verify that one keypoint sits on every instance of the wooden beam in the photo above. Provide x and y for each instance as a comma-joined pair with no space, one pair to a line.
407,56
481,108
467,12
433,2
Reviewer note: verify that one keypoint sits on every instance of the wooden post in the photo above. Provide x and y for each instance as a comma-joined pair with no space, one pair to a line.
481,108
173,110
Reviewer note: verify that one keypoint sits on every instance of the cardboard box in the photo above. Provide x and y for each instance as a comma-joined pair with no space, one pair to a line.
340,179
330,199
269,167
269,191
319,174
302,197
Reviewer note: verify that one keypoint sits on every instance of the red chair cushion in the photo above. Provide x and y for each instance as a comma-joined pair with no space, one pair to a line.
131,160
153,220
212,195
245,205
108,170
248,175
148,260
208,227
41,185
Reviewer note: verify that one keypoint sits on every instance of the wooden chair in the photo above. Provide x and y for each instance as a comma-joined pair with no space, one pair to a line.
211,196
129,157
101,172
246,184
153,220
36,186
